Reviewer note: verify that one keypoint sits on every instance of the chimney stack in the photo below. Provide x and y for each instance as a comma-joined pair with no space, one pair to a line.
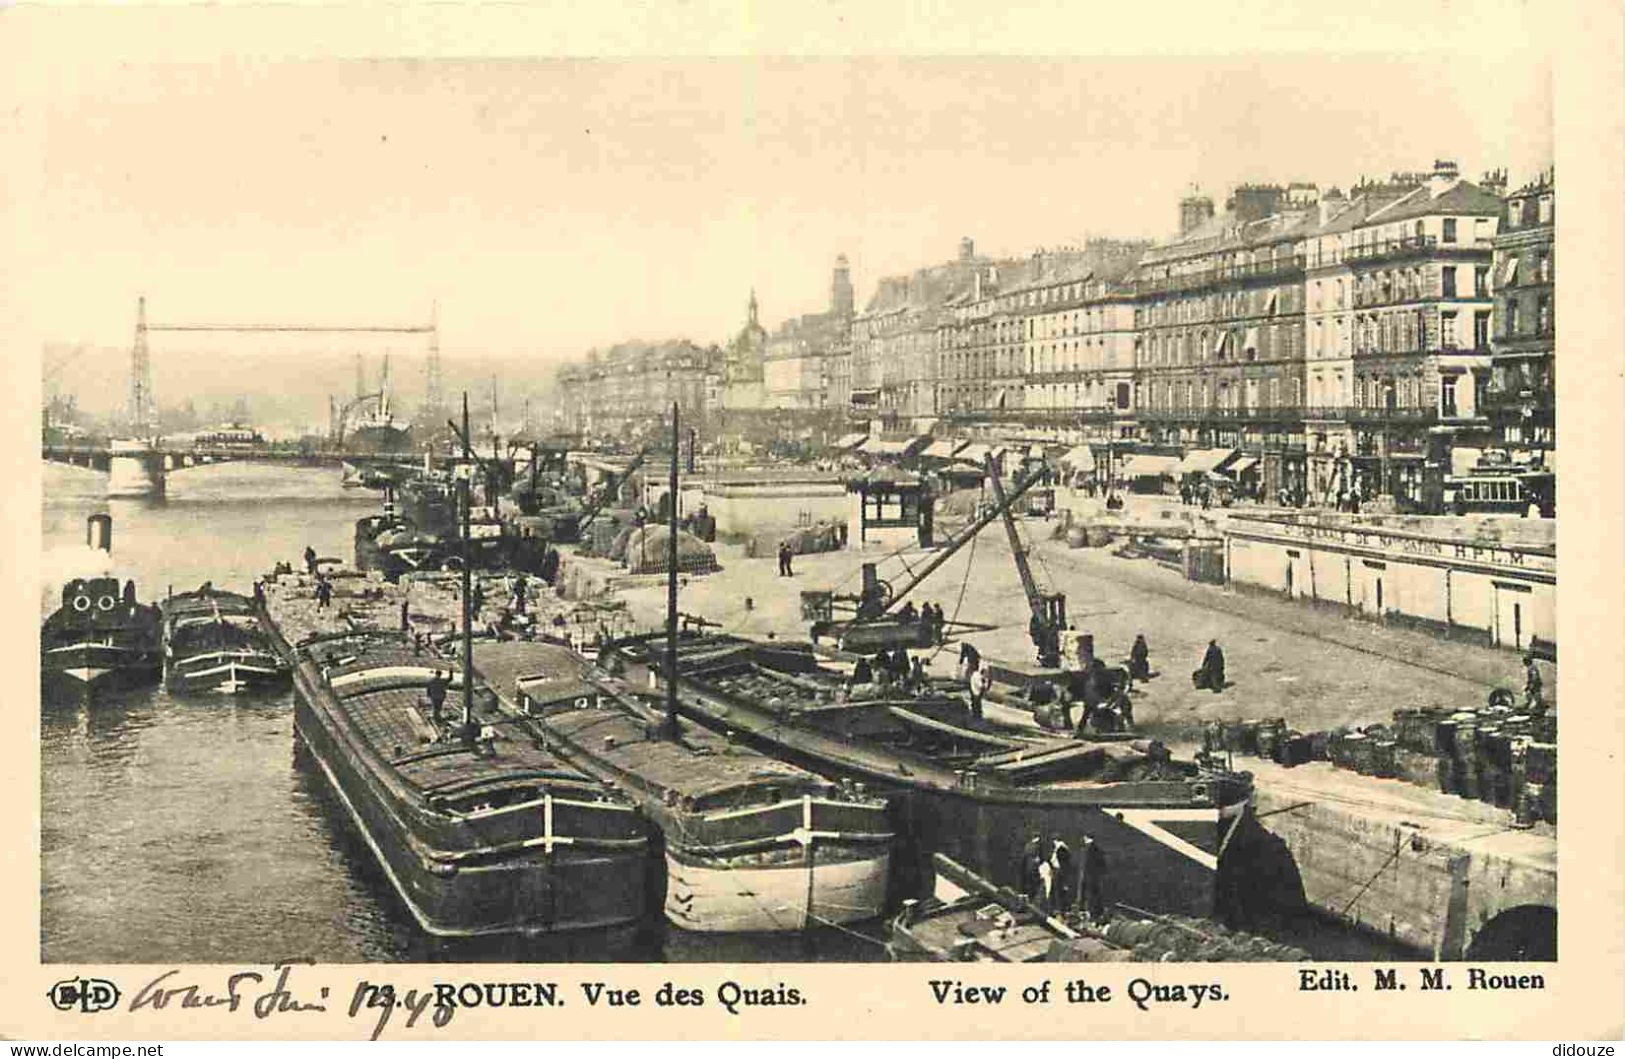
1445,173
967,248
1195,210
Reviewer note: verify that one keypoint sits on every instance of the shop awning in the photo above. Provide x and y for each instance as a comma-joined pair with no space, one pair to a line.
866,396
1198,461
1218,342
1246,463
979,452
1141,465
1269,305
894,446
1080,458
849,441
1035,452
944,448
1509,272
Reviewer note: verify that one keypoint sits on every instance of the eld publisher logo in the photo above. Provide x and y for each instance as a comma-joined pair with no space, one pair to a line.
83,994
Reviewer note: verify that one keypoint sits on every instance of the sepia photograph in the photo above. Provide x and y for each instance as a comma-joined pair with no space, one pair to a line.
782,509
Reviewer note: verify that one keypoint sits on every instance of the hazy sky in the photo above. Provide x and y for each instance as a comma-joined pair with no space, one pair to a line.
551,205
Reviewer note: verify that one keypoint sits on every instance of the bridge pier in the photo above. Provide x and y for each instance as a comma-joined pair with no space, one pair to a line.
134,470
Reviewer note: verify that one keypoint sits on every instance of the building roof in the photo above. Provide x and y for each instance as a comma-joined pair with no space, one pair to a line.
1462,197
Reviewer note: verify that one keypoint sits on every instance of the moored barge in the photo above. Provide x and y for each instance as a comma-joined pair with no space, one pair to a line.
751,844
479,829
214,642
981,796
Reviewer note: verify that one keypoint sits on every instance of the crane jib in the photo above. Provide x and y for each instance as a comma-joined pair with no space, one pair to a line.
964,537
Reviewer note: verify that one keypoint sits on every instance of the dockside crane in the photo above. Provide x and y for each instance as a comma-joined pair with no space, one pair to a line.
869,627
611,489
1048,608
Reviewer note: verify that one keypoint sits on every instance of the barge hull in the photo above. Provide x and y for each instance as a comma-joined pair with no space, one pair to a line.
545,892
704,897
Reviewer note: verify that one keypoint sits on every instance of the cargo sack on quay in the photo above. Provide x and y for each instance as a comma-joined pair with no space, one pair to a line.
823,537
645,552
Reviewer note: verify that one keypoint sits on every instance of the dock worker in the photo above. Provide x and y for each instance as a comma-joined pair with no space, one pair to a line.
1032,880
259,593
1062,877
970,660
981,682
436,690
406,618
1534,700
899,664
863,673
880,668
1092,878
908,613
916,675
324,593
1211,674
310,560
519,600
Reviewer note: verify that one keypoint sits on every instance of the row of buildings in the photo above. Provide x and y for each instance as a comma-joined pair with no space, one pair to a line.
1379,341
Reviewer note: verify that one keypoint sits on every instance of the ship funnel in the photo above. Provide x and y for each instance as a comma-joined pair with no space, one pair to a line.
99,533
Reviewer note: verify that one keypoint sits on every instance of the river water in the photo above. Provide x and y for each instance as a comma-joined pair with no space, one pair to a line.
197,830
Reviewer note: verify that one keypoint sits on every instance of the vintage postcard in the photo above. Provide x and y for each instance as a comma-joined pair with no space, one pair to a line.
693,522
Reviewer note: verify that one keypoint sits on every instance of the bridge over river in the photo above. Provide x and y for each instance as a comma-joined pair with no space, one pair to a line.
136,468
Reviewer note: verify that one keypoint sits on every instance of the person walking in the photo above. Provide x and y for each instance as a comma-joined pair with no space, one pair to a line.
1211,673
1139,659
520,587
789,561
1534,699
324,593
310,560
406,617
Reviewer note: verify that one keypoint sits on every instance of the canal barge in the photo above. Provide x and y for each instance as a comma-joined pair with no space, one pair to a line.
214,642
479,829
979,795
751,844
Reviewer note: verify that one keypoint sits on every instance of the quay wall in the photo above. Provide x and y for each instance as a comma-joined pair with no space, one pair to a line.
1504,593
1476,894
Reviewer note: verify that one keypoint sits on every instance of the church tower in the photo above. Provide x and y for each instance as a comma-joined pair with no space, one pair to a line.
840,289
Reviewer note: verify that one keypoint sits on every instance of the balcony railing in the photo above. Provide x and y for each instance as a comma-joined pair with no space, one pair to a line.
1410,246
1278,268
1277,413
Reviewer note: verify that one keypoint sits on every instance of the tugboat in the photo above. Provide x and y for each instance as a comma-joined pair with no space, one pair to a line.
213,642
101,637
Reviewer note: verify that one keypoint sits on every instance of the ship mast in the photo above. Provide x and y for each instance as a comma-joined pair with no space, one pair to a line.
464,500
671,726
